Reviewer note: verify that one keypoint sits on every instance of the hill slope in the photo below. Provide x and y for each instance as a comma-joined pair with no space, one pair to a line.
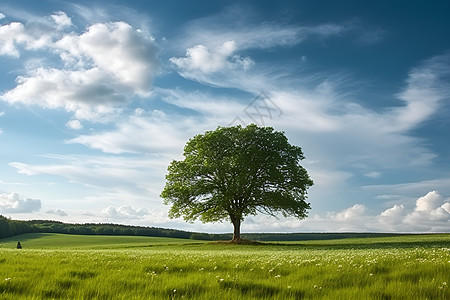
70,241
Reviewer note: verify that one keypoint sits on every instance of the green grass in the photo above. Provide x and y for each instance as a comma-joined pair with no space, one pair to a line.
70,241
55,266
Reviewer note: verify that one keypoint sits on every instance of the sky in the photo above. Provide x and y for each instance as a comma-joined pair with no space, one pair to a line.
98,97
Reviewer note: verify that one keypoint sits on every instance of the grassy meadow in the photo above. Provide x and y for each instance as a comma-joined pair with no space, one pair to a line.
55,266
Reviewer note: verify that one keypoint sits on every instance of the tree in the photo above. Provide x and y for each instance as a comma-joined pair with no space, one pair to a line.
233,172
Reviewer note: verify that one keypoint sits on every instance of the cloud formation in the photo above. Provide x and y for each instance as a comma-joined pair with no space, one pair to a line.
74,124
13,203
427,86
236,24
57,212
103,67
139,133
125,53
430,214
200,59
125,212
35,35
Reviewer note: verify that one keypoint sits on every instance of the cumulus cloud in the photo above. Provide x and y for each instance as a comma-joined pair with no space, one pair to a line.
2,16
57,212
35,35
200,58
103,67
125,212
431,213
9,35
394,213
391,218
13,203
84,92
126,53
349,219
352,213
428,202
61,19
74,124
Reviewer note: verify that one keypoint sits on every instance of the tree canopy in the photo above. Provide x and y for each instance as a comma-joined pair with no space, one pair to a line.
233,172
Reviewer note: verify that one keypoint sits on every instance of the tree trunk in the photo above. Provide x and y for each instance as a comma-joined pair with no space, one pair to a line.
237,230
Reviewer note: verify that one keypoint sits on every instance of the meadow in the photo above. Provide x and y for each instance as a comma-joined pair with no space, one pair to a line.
56,266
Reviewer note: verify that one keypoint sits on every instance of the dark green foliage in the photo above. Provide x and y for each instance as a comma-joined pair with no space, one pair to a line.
237,171
12,227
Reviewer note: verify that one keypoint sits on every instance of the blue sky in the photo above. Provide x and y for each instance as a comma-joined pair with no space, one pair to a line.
97,97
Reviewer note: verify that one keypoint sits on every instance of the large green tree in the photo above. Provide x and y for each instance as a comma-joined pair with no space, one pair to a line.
233,172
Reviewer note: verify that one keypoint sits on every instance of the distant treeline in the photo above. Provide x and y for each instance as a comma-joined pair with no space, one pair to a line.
10,228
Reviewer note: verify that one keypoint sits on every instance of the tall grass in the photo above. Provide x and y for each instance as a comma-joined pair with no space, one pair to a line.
184,270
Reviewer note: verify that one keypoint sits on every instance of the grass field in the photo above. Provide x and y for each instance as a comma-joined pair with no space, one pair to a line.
53,266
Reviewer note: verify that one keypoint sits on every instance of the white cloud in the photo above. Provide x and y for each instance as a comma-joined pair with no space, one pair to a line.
394,212
61,19
426,88
2,16
9,35
351,213
84,92
125,212
430,213
201,59
13,203
104,66
236,24
391,219
57,212
354,218
126,53
428,202
34,35
74,124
